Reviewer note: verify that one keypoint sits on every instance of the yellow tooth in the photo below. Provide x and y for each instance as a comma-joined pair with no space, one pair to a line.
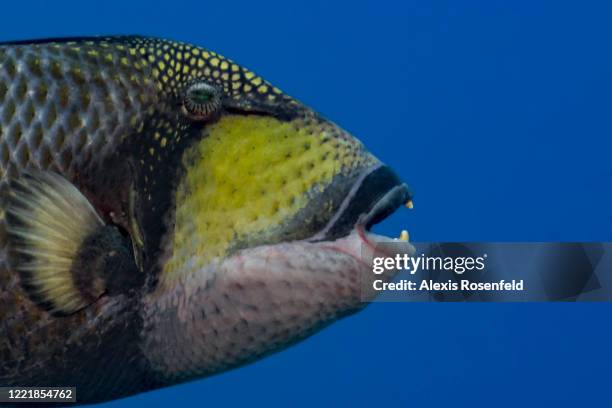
409,204
404,236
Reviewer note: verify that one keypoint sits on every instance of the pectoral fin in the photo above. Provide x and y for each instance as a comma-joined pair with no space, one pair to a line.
66,256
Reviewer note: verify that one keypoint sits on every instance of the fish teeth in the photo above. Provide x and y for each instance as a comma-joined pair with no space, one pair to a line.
404,236
409,204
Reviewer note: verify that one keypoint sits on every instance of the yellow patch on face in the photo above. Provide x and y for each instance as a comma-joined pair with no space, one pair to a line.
248,177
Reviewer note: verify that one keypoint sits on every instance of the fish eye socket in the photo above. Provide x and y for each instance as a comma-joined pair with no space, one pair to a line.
201,101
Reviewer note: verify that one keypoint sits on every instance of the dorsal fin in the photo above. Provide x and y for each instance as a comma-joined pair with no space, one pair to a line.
62,249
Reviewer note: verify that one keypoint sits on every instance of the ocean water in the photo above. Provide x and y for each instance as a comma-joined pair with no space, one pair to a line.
497,113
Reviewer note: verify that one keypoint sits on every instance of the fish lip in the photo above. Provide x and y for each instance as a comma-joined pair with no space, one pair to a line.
376,194
385,206
373,241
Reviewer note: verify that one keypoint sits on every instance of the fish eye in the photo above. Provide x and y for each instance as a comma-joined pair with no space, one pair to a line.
201,101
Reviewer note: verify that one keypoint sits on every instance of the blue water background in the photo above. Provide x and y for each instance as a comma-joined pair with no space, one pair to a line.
499,115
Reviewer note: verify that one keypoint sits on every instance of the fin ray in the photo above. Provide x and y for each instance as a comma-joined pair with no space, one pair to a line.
48,219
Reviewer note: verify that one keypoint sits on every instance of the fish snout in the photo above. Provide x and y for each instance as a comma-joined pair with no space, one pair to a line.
375,195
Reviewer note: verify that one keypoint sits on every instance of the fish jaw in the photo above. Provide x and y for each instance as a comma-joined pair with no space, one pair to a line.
256,302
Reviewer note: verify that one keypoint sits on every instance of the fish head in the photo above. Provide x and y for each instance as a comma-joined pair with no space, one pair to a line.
264,168
269,237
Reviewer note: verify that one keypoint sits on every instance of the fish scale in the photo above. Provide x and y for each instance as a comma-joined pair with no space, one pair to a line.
58,104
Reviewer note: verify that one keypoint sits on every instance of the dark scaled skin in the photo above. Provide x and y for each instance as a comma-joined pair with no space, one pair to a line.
107,114
84,108
62,111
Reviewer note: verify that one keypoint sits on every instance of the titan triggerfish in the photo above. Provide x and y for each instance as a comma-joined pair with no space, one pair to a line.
167,214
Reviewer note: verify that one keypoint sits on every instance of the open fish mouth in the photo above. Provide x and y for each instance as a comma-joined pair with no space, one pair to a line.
376,194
